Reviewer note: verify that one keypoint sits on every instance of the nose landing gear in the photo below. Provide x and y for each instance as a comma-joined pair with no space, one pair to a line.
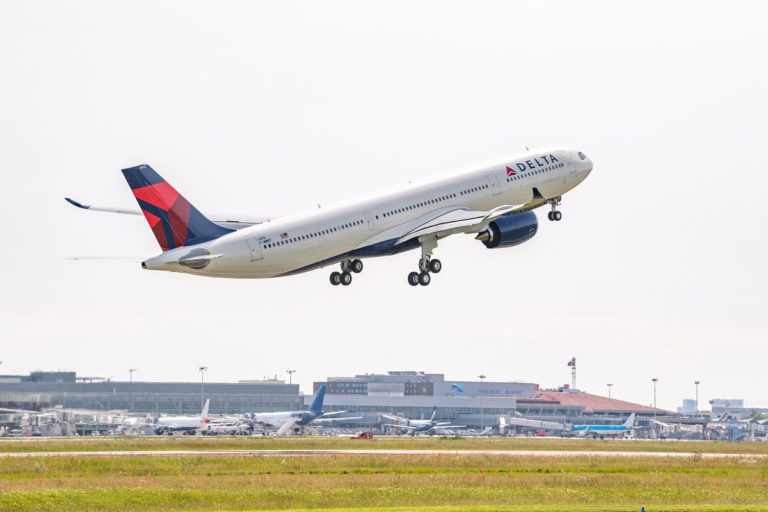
554,215
344,277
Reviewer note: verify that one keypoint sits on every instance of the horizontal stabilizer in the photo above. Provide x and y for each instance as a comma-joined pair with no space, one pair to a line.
227,221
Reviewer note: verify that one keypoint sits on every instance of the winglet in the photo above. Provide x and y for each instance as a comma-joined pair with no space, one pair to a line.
75,203
204,415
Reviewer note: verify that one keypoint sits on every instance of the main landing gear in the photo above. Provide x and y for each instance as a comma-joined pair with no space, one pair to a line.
427,265
554,215
345,276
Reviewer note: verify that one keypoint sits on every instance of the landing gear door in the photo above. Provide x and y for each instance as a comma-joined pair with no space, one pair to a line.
369,219
493,181
254,244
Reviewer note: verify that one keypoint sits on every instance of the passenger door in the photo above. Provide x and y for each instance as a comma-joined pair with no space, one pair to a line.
369,218
255,245
493,181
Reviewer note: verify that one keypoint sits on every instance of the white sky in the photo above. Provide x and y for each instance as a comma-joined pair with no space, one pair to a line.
657,269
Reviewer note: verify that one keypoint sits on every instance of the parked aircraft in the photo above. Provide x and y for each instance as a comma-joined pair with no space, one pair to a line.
285,421
172,424
419,425
605,430
493,202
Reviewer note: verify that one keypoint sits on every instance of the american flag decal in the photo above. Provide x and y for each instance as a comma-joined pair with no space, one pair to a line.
511,172
283,236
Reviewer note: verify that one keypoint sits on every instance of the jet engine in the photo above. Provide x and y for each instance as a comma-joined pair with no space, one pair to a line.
509,231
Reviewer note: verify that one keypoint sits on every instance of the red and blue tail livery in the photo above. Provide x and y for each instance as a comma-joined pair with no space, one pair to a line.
173,220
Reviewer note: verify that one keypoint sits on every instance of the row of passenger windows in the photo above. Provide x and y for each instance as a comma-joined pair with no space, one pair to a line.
537,171
316,234
419,205
414,206
473,189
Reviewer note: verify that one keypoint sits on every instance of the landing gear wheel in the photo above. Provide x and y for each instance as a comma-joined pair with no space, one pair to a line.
346,278
424,278
335,278
413,278
549,215
356,266
556,215
435,266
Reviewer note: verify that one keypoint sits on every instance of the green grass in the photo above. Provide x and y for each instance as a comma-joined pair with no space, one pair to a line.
410,482
384,443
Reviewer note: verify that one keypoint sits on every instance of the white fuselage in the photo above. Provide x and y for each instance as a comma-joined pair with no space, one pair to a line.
174,423
369,226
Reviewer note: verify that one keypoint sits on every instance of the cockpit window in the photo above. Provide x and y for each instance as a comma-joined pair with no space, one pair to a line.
582,156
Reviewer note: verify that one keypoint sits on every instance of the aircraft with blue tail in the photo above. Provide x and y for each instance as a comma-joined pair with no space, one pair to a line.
286,421
492,202
605,430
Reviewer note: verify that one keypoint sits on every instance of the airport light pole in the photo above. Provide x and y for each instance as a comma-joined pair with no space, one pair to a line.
482,424
290,375
130,379
697,395
609,390
202,369
655,380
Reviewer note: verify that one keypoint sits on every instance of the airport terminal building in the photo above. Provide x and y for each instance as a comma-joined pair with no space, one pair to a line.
40,390
476,404
410,394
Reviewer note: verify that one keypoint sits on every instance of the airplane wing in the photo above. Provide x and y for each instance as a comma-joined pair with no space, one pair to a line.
398,426
333,413
226,221
320,420
393,418
465,221
440,427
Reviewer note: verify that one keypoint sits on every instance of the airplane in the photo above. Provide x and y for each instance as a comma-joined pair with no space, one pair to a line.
419,425
287,420
172,424
605,430
493,202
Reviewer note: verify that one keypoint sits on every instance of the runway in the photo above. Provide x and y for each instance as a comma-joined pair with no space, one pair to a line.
299,453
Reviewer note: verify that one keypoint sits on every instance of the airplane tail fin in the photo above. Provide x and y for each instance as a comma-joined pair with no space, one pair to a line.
317,403
204,414
434,413
173,220
630,421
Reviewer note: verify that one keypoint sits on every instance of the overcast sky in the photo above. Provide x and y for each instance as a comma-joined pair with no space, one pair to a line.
658,268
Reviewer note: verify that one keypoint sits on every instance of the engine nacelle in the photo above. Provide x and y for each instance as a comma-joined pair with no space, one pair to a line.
509,231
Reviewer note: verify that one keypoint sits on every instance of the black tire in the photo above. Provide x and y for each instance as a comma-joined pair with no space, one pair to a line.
549,215
425,279
435,266
356,266
557,215
413,278
346,278
335,278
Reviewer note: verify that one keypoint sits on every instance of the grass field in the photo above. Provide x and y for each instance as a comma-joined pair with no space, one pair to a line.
400,482
383,443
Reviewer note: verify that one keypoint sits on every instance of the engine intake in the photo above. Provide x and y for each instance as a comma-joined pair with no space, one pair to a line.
509,231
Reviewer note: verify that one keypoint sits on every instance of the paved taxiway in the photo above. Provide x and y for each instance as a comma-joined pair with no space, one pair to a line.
294,453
